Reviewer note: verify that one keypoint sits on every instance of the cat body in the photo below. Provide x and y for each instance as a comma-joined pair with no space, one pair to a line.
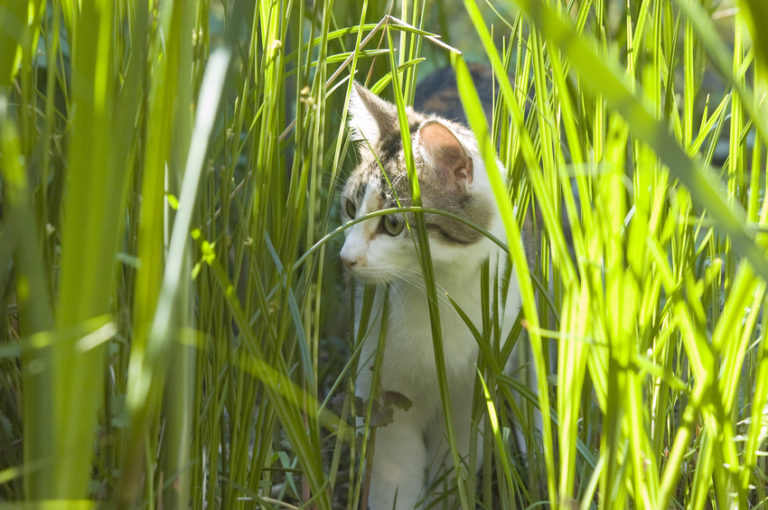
412,450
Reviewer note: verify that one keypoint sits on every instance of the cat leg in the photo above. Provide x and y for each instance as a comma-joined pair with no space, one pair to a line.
399,462
442,474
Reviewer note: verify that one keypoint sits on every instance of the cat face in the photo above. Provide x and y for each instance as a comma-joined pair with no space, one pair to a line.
381,248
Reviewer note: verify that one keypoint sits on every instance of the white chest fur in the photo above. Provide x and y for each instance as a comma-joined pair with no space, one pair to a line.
413,446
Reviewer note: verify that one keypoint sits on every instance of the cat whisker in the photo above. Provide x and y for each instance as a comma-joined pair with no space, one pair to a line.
415,279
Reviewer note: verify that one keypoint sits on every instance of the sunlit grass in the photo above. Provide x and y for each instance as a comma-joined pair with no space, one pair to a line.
173,339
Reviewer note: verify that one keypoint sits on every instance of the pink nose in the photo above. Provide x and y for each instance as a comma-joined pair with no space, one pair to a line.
352,255
351,261
351,258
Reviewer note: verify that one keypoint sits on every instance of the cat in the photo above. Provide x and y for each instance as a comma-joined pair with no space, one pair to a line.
412,450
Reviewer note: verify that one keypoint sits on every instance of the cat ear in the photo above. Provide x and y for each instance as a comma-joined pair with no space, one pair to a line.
444,155
369,115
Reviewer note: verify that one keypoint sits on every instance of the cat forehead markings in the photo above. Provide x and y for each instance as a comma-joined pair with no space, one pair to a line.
371,201
366,173
386,169
390,148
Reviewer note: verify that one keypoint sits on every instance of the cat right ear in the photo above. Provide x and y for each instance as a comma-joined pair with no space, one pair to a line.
446,156
369,115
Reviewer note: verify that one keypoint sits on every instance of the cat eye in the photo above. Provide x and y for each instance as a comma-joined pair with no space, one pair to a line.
393,224
350,208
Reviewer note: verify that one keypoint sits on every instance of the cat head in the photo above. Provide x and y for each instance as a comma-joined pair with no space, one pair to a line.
451,178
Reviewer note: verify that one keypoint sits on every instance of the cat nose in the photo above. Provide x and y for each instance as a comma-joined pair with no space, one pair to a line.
350,260
351,257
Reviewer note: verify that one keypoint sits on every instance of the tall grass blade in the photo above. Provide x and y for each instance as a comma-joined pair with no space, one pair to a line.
91,228
607,79
752,12
33,294
472,106
146,366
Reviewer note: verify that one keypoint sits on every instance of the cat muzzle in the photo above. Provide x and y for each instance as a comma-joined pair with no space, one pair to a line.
351,261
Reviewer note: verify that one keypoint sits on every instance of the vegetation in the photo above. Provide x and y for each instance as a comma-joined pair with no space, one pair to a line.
176,332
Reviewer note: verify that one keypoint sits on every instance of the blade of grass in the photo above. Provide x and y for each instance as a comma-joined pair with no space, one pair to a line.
146,365
472,106
92,221
752,11
12,38
605,77
703,25
35,312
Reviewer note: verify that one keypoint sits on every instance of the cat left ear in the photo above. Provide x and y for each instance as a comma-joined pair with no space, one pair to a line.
445,155
369,115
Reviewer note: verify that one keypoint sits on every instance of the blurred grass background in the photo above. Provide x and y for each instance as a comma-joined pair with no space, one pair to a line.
176,331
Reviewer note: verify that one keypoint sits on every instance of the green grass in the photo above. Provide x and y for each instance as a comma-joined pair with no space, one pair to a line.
176,331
